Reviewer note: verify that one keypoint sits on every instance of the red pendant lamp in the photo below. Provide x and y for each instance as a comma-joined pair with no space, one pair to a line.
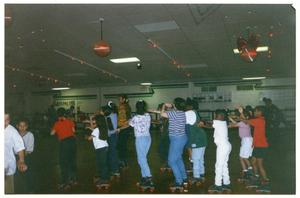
102,48
247,47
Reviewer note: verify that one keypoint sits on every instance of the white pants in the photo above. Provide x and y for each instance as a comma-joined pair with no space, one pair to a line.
221,167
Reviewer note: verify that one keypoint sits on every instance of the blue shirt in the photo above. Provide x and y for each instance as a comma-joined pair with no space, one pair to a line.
177,122
114,120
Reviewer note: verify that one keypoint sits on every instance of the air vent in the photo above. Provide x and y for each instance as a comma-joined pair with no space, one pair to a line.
155,27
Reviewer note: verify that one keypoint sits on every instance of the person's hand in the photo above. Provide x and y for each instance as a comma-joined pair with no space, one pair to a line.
201,124
118,130
22,167
241,109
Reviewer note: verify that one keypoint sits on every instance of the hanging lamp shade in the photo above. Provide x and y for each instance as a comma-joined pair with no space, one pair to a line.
102,48
247,48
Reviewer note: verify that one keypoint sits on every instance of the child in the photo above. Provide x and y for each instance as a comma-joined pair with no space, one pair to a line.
28,140
141,124
197,141
110,112
246,144
164,141
99,137
260,147
124,114
65,129
178,139
223,152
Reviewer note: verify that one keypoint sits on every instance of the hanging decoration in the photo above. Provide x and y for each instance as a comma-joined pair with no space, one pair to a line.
172,60
102,48
247,47
8,17
83,62
34,75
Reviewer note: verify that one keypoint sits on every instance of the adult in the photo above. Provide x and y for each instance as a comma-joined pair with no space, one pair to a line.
124,115
13,144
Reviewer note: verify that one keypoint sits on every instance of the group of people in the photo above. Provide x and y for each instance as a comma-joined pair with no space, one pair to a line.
181,127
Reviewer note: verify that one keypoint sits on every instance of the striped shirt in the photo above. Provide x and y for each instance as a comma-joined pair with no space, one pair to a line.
177,122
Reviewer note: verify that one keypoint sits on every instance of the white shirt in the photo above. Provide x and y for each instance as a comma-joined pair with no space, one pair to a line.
13,144
98,143
141,124
221,132
190,117
28,139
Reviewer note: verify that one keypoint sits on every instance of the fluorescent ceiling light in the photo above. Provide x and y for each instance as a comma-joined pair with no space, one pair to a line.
259,49
125,60
60,88
254,78
146,84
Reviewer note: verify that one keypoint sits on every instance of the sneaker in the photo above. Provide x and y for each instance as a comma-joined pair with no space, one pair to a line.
215,188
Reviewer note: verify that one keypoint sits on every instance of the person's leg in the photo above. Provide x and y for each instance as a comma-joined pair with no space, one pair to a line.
181,146
244,167
9,184
63,161
225,171
103,164
220,158
98,162
73,160
29,175
261,168
173,158
196,155
143,146
120,146
254,165
202,167
112,153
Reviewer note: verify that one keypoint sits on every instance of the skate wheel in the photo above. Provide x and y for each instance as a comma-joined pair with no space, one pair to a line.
152,190
142,189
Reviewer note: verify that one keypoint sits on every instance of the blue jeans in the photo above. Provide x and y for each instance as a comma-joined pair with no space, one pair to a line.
175,157
198,161
112,153
142,145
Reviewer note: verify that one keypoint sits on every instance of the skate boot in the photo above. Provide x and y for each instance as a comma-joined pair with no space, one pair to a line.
265,187
226,188
196,181
215,189
177,187
253,182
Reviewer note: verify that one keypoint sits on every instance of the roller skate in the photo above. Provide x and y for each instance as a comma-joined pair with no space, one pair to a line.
102,185
196,181
265,187
177,188
245,177
214,189
253,183
115,175
226,188
186,183
146,184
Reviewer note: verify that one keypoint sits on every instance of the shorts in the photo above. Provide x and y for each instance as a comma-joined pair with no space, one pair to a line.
246,147
260,152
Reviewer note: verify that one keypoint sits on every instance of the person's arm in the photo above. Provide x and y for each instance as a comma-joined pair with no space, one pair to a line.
52,132
22,167
203,125
162,112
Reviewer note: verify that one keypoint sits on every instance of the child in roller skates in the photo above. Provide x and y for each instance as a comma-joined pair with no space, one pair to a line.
141,124
223,152
260,149
197,142
99,137
246,145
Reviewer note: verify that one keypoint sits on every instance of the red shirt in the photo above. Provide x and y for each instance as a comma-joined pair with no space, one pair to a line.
64,128
259,136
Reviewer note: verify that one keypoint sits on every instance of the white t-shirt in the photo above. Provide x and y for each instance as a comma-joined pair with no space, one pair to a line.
141,124
28,139
13,144
221,132
98,143
190,117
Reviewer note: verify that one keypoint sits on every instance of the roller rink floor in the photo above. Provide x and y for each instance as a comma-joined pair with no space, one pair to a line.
280,166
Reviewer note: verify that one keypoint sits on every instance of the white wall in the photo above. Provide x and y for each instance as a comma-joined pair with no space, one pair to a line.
284,98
